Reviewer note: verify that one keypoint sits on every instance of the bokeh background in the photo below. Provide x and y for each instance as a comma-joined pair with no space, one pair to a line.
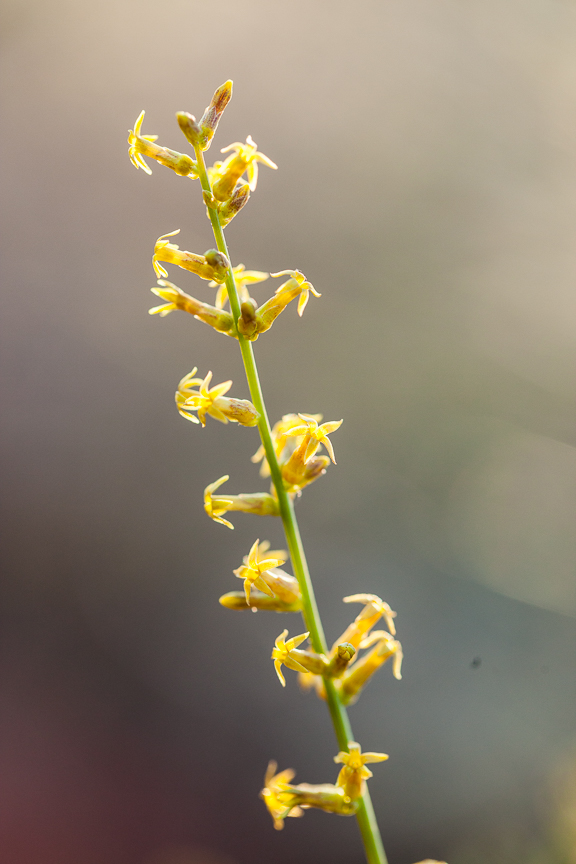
427,187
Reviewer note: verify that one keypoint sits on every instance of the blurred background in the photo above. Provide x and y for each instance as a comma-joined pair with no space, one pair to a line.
427,187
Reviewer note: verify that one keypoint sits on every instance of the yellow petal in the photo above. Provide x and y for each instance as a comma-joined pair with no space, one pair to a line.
280,639
374,757
303,302
278,668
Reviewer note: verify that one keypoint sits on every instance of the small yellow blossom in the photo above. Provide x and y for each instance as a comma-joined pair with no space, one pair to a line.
212,401
284,593
215,508
245,158
242,277
280,440
274,784
257,503
281,654
357,676
288,291
341,659
314,435
212,265
298,474
298,278
386,647
352,777
283,799
374,608
254,570
143,145
175,298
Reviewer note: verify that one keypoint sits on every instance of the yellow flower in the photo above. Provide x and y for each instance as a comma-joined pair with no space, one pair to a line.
254,569
143,145
314,435
357,676
281,654
386,647
282,799
274,784
224,175
353,775
374,608
242,277
258,503
212,265
280,440
297,278
212,402
176,299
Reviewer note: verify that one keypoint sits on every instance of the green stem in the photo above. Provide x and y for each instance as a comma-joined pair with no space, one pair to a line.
365,814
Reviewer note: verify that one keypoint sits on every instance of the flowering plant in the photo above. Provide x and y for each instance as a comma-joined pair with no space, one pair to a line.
289,453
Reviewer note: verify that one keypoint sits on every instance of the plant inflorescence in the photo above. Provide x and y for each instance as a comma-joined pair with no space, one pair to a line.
289,454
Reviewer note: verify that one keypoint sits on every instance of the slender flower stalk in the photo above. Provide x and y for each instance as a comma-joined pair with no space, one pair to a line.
288,453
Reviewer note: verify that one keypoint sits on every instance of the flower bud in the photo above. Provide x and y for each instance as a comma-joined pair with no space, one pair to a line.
189,127
258,600
228,210
343,655
211,117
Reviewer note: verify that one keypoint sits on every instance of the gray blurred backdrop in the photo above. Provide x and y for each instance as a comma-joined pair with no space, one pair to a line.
427,187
